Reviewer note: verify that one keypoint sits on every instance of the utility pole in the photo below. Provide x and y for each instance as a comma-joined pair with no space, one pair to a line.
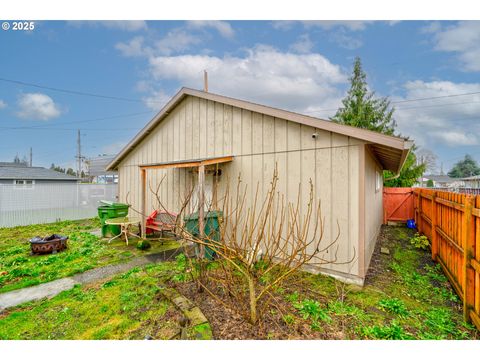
441,169
31,156
79,155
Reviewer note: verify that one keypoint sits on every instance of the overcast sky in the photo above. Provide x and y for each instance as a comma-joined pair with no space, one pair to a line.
137,66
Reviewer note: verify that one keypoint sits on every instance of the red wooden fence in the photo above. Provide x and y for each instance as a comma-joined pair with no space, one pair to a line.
452,223
397,204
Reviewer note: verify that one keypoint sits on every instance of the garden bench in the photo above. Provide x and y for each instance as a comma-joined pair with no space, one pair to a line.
161,221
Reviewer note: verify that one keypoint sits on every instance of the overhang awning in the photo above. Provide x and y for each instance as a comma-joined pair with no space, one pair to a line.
188,163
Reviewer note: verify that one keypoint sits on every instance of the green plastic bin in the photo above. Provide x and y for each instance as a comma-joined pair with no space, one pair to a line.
110,211
212,228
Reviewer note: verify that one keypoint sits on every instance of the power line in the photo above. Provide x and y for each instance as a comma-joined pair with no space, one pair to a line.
49,126
109,97
418,99
73,92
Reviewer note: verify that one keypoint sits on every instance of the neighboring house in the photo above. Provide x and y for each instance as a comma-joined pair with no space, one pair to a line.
23,176
472,182
224,137
440,181
97,173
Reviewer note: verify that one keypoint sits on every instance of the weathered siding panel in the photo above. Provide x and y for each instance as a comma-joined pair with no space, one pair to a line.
197,128
373,205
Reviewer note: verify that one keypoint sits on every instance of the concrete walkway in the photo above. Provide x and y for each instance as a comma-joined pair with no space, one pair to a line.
52,288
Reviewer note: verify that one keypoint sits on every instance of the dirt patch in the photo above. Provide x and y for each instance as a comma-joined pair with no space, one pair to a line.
280,323
388,238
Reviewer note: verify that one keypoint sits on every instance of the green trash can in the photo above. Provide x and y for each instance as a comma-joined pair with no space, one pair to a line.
212,228
110,210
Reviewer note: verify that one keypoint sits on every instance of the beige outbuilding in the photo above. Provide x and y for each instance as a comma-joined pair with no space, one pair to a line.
212,138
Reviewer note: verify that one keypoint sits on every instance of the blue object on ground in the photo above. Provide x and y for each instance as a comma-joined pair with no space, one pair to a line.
411,224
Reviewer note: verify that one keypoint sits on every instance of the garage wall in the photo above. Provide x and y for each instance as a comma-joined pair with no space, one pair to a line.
198,128
373,204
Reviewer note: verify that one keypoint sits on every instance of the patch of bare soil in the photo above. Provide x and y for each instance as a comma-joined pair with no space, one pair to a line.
379,265
227,324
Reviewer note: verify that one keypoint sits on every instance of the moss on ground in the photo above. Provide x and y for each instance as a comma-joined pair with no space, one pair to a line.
19,269
127,306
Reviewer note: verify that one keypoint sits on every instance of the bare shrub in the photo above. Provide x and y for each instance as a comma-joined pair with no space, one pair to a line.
261,246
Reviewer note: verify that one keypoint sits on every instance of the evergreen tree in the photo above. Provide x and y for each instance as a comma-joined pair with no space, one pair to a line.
363,110
70,171
465,168
409,175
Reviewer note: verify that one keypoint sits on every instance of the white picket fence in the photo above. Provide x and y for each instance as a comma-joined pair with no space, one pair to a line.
44,203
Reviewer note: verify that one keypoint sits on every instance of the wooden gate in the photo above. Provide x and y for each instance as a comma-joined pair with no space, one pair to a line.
397,204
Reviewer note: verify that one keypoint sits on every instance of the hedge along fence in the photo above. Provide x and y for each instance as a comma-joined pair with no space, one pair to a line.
452,223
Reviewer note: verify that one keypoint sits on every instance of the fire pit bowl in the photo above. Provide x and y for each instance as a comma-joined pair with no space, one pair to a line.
49,244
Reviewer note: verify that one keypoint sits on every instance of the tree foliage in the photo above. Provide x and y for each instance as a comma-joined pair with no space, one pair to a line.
68,171
362,109
16,160
465,168
411,171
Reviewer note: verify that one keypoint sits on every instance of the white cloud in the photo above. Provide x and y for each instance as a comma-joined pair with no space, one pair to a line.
456,138
353,25
433,122
125,25
37,106
133,48
346,41
462,38
303,45
156,100
283,24
3,104
265,75
175,41
224,28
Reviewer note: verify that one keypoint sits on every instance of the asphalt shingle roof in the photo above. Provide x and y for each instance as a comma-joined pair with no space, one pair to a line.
32,173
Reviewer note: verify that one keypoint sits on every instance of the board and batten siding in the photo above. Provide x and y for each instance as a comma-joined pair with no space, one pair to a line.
198,128
373,203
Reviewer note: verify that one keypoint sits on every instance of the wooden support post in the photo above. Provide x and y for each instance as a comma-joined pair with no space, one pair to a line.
434,227
201,210
468,250
143,206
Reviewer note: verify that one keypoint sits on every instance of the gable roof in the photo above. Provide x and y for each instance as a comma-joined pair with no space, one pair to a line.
96,166
32,173
440,178
391,151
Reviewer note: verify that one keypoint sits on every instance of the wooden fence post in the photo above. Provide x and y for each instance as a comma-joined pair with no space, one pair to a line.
468,248
419,223
434,227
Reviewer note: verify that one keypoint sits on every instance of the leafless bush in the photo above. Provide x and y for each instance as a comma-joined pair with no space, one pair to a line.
261,245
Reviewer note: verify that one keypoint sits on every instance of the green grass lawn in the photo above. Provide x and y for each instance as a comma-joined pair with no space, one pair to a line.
128,306
407,297
19,269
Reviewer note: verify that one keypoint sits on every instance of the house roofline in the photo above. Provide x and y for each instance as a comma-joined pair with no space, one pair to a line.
369,136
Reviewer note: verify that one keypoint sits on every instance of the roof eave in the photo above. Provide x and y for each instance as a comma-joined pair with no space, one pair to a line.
362,134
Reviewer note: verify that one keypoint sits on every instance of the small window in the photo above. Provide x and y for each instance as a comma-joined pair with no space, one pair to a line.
23,184
378,181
